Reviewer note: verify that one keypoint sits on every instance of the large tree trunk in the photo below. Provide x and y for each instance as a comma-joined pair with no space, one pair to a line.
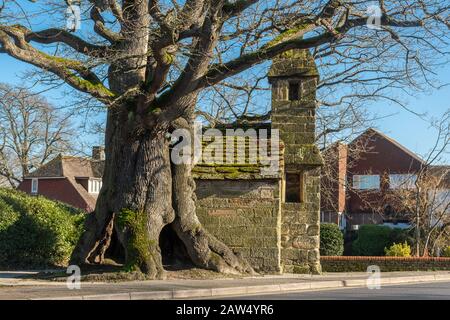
136,195
203,248
136,201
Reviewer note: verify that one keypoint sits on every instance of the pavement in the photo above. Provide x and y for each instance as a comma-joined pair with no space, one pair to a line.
14,286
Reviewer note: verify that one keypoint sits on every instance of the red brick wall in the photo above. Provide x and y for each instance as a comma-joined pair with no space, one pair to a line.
57,189
333,180
342,176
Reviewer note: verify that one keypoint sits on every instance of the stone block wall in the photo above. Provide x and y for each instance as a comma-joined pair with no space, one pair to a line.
296,122
245,215
300,223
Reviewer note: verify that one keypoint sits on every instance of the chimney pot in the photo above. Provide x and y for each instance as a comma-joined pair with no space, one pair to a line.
98,153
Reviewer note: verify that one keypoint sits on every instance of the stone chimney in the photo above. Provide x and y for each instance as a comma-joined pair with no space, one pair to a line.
98,153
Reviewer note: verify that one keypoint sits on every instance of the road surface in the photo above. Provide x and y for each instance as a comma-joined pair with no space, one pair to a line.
422,291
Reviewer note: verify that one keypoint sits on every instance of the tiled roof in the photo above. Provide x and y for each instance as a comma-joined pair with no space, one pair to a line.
53,168
89,198
68,166
72,168
241,169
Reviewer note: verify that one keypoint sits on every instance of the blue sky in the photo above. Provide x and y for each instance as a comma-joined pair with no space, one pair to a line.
409,129
405,127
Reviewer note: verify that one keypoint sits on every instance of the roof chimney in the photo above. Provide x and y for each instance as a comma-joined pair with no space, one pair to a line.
98,153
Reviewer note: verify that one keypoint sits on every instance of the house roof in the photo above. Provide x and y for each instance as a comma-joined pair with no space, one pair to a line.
69,166
242,166
372,132
79,167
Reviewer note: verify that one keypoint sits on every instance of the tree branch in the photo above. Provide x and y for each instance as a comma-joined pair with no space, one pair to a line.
233,9
101,29
53,35
219,72
72,72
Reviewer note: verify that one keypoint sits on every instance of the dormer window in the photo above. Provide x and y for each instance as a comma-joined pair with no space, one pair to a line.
94,186
294,91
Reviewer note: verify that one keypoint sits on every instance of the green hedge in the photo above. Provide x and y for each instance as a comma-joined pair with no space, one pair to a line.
372,239
36,232
331,240
386,264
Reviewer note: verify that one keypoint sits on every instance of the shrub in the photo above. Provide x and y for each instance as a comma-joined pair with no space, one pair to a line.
398,250
35,231
331,240
372,239
446,252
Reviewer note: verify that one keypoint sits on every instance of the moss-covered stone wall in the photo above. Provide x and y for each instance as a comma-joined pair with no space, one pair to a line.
247,210
300,223
295,116
245,214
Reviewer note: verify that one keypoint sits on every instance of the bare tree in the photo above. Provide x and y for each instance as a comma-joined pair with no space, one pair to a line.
426,203
148,62
32,131
423,197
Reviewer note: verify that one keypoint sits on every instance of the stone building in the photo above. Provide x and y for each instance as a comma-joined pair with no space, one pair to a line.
272,219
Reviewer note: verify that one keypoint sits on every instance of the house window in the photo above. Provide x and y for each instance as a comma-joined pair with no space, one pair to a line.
402,181
34,185
94,186
366,182
294,188
294,88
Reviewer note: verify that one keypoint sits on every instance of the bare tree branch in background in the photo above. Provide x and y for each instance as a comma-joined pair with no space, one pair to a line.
425,198
32,132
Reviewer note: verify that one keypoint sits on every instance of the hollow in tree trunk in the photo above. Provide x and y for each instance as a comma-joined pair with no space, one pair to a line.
141,193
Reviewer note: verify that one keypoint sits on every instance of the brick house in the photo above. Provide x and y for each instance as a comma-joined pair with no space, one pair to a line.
360,177
73,180
269,217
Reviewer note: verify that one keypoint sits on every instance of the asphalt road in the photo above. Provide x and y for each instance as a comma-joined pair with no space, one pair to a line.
422,291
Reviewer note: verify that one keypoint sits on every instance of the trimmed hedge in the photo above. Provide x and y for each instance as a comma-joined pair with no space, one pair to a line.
331,240
36,232
372,239
386,264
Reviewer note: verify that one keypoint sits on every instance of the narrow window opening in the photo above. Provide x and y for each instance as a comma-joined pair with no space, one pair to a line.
294,91
294,188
